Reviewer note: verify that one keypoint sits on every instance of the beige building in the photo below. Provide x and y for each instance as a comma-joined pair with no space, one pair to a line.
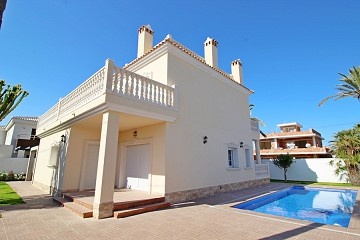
170,122
295,141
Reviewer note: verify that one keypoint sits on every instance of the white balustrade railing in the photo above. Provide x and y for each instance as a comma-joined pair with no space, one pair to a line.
114,80
87,91
262,171
132,85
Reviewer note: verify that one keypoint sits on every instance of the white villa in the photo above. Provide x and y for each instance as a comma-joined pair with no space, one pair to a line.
170,122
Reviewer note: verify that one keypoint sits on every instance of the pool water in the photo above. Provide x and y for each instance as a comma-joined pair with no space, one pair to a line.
326,206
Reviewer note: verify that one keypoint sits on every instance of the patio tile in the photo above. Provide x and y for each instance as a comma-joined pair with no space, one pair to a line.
208,218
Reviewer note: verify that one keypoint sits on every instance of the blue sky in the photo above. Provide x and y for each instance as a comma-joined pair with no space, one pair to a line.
292,51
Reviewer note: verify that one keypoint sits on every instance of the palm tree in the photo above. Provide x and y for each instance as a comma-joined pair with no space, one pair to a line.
10,98
2,9
350,86
346,147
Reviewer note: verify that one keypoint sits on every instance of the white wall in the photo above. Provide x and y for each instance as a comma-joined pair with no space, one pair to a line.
2,136
311,169
17,165
208,107
6,151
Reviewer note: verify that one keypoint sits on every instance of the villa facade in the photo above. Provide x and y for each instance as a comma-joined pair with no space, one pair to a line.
170,122
291,139
18,136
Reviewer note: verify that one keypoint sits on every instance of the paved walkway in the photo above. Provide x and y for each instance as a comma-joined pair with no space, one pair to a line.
209,218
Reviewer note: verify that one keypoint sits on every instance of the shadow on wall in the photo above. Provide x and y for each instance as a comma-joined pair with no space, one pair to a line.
298,171
58,170
309,169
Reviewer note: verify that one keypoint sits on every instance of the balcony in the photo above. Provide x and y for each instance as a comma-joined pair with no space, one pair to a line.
112,88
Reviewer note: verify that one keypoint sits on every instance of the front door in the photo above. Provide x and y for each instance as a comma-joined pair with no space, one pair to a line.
138,165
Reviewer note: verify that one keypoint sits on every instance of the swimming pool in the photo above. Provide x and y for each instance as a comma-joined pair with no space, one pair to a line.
327,206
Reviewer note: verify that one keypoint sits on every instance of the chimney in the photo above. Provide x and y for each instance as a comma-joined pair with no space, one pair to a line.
145,40
236,71
211,54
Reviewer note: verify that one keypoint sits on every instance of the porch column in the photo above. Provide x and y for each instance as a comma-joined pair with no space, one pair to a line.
105,178
275,143
257,150
314,141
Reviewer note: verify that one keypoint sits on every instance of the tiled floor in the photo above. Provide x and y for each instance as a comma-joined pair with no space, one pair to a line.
209,218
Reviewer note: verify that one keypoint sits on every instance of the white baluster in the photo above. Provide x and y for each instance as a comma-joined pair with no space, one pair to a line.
151,92
127,84
136,86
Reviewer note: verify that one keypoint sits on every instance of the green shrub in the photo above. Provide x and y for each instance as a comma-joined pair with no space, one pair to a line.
11,176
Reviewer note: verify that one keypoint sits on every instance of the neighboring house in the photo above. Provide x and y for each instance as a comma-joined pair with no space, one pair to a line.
291,139
18,136
169,122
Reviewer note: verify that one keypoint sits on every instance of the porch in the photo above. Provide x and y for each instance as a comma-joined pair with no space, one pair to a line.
126,202
111,89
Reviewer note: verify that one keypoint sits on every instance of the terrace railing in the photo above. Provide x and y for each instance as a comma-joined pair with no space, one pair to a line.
111,80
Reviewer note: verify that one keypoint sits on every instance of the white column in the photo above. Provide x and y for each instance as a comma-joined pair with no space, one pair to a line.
275,143
105,178
257,150
314,141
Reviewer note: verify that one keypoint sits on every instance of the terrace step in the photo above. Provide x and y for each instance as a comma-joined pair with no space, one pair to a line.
133,204
141,209
78,209
74,207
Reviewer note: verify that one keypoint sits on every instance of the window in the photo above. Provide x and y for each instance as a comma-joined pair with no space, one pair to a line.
247,156
233,161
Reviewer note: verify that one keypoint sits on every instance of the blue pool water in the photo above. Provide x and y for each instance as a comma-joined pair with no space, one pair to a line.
327,206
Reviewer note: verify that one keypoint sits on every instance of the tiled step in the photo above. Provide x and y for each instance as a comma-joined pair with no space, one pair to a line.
84,204
141,209
133,204
82,211
78,209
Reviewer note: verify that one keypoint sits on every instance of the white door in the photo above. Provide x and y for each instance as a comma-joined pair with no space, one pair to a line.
91,164
138,165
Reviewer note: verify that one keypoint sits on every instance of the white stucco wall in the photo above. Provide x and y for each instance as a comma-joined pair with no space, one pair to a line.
17,165
2,136
212,108
44,175
74,155
6,151
311,169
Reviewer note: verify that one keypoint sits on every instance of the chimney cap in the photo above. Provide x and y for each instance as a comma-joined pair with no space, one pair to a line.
236,61
146,28
211,40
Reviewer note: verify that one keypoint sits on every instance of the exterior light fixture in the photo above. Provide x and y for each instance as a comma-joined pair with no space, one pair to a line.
205,138
135,133
63,138
241,144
